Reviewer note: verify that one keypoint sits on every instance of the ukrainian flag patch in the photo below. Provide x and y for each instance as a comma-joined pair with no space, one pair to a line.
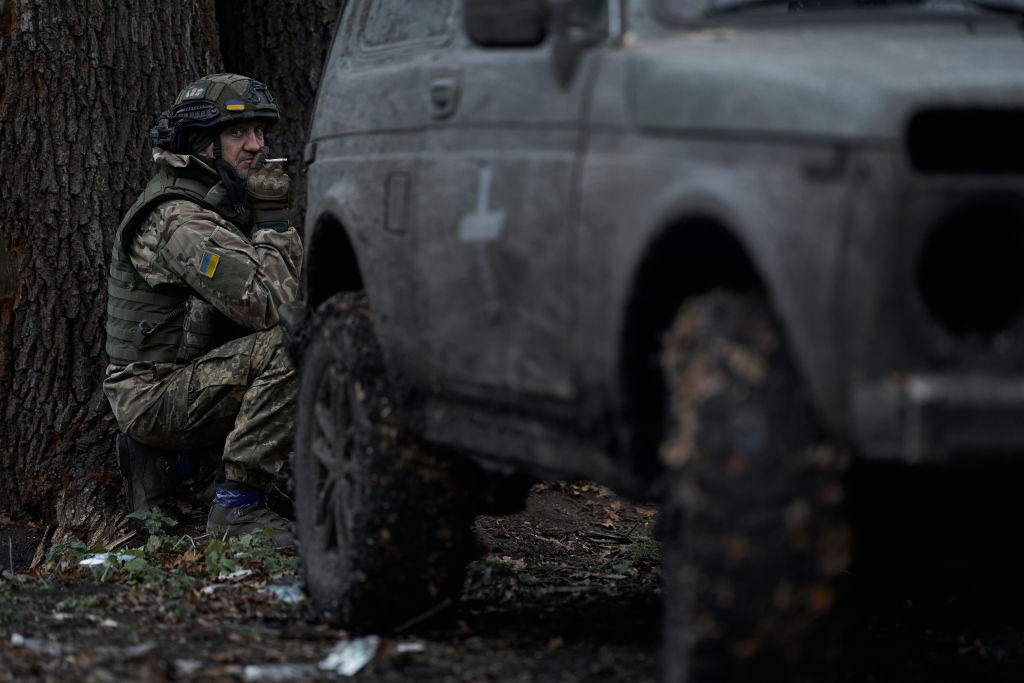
208,265
235,105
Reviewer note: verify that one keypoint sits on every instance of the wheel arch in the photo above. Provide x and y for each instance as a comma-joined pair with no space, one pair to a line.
332,264
689,255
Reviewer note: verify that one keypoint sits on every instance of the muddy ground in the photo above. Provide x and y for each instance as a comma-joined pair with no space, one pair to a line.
568,591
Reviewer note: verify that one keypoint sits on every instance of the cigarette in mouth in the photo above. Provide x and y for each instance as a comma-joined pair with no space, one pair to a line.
278,160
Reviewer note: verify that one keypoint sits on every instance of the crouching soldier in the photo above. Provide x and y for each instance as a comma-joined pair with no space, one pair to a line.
201,264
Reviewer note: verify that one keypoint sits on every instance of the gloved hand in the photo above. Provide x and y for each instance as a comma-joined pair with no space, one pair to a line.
268,188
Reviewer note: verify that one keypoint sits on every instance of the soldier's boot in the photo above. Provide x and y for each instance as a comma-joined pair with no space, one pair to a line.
147,473
238,510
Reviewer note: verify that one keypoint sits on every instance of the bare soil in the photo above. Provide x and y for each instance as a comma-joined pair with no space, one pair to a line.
568,591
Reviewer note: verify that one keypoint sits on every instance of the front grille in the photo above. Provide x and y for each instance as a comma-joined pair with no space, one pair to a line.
967,141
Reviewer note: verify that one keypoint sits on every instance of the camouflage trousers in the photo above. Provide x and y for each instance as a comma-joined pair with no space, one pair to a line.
241,394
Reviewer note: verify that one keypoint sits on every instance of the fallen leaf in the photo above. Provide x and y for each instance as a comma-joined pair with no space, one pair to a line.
223,657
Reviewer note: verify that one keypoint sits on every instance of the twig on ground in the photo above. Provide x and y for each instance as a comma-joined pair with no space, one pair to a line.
426,615
123,540
601,538
550,540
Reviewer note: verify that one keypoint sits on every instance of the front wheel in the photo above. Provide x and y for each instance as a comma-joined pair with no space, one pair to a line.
754,536
384,525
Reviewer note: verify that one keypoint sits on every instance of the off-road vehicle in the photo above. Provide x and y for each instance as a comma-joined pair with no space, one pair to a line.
704,251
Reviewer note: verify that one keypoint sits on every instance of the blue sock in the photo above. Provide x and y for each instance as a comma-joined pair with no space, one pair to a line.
236,496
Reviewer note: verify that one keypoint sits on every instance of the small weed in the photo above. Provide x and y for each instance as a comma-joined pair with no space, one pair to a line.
500,577
87,602
153,520
641,552
253,551
68,553
173,564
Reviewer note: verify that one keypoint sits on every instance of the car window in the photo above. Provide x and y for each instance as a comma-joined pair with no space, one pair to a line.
395,22
684,10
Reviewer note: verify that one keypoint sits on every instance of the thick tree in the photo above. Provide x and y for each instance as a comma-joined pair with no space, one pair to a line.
79,87
284,44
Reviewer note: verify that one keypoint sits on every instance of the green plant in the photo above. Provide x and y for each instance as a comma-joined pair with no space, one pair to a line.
61,557
641,551
153,520
174,564
87,602
254,551
494,576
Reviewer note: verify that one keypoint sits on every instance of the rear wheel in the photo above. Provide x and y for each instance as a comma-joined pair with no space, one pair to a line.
384,524
754,535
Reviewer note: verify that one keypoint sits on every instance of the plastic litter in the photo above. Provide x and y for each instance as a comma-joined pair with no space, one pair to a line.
101,559
348,656
186,667
139,651
240,574
409,648
279,672
47,647
233,577
288,593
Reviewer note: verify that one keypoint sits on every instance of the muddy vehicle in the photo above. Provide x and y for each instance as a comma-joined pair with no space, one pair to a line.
708,252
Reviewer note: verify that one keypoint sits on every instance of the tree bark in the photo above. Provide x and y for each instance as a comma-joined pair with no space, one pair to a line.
79,87
282,43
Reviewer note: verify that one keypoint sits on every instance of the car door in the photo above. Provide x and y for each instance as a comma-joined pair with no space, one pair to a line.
369,124
498,168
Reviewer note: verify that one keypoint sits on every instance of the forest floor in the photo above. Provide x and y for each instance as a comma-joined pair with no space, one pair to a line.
569,590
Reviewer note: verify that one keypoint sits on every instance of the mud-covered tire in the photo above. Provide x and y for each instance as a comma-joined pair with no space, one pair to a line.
755,536
384,524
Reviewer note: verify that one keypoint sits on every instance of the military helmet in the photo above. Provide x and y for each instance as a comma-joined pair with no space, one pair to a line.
209,103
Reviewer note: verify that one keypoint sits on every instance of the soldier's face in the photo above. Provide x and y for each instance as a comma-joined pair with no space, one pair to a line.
239,143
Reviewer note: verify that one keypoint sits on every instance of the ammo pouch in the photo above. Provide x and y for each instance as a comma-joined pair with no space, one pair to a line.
198,329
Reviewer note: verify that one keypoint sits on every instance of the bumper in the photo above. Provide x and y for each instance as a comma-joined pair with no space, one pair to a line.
938,418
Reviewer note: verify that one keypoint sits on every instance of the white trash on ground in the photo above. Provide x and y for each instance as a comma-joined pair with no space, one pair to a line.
348,656
101,559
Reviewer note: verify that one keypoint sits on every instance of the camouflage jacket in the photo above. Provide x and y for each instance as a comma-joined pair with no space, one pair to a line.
245,278
256,275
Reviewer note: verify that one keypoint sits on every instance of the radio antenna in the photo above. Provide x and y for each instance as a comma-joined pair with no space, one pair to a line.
190,62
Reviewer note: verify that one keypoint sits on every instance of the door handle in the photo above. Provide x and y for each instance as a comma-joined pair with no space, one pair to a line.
443,96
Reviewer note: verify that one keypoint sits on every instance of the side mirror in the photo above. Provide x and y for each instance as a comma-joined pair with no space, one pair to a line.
506,23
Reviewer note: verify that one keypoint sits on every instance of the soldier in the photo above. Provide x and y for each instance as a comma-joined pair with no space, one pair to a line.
201,264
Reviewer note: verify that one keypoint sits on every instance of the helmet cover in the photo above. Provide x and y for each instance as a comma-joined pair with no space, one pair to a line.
212,102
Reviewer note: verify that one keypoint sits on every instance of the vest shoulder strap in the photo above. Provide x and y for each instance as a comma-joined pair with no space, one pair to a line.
162,188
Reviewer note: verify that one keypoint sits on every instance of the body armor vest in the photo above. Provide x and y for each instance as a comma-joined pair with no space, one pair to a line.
144,323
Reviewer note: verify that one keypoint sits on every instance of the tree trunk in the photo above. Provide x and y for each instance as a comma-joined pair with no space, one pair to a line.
288,55
79,87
